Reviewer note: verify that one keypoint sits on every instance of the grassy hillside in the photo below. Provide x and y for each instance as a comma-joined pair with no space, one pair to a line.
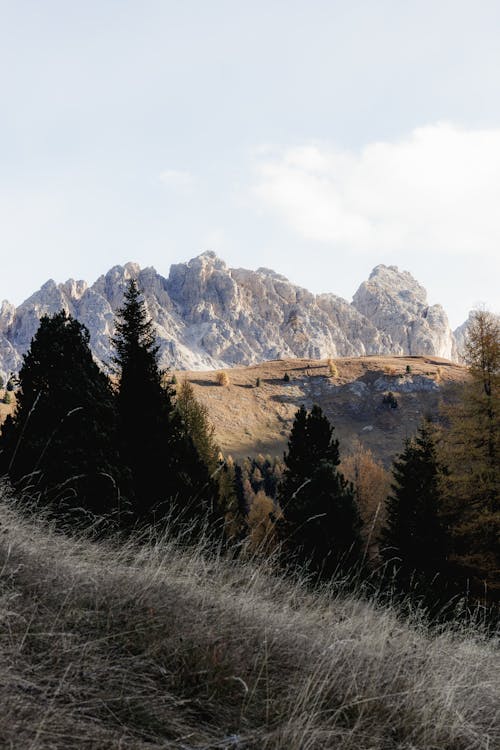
154,646
250,419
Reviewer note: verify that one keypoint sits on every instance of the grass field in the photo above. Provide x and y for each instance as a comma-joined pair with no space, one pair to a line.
146,644
250,419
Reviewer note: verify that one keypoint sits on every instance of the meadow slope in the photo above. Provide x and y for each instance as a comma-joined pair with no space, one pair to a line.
250,420
149,645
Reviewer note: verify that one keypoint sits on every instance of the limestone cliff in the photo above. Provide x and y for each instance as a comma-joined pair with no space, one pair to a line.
208,315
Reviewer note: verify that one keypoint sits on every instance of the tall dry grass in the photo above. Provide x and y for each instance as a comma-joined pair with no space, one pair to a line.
144,644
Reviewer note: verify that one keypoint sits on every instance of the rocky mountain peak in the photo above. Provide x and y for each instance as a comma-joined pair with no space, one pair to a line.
208,315
391,280
395,302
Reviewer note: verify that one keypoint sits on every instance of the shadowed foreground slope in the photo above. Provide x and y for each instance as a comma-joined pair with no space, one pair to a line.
155,647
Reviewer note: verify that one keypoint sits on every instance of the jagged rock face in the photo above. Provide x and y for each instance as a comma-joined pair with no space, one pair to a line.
459,334
208,315
397,305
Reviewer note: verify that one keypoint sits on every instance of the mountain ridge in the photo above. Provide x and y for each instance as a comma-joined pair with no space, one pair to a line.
208,315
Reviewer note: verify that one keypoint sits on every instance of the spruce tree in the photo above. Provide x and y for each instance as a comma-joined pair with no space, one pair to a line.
321,527
60,443
167,472
413,539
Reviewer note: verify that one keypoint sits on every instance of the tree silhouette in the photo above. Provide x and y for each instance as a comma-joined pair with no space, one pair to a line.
166,469
321,521
60,444
413,538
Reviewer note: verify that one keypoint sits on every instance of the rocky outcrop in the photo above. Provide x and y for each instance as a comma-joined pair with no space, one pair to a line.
397,304
459,335
208,315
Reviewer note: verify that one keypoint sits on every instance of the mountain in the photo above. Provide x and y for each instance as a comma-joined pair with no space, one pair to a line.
208,316
459,335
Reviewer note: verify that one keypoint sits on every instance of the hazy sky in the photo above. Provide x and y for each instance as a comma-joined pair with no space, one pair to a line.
318,138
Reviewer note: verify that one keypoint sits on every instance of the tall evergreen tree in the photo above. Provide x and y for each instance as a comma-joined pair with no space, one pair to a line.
321,521
413,537
470,449
60,443
165,466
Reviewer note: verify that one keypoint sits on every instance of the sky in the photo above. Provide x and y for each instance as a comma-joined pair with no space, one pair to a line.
315,137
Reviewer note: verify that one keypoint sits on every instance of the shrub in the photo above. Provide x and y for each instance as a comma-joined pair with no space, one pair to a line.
390,399
286,377
408,369
222,378
7,398
332,368
262,516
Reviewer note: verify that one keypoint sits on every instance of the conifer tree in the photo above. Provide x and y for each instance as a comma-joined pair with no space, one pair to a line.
60,443
371,486
413,538
470,449
321,526
165,466
196,420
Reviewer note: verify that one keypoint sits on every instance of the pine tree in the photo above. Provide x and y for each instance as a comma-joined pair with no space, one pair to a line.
167,472
60,443
321,527
413,538
470,447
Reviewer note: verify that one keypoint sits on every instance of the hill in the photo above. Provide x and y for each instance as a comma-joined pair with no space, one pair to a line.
146,645
250,419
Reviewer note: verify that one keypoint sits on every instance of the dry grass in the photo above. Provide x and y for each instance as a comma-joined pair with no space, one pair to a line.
250,420
151,646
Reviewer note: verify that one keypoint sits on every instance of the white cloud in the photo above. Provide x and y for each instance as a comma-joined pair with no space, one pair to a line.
436,191
177,179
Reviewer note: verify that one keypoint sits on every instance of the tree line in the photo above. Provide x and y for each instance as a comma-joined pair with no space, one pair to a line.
131,449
